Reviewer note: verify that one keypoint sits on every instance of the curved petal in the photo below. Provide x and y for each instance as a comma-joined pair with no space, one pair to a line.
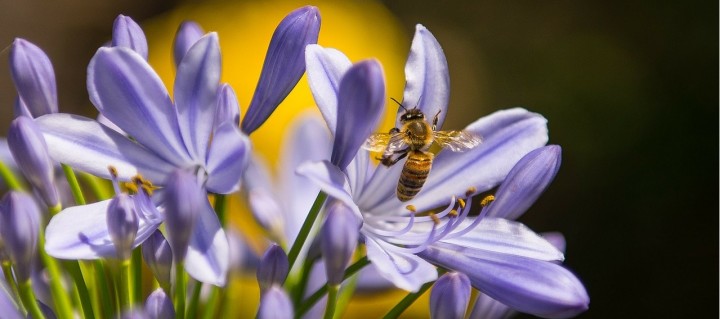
532,286
526,182
325,68
488,308
34,77
502,236
427,81
330,179
91,147
508,136
127,91
227,158
81,232
127,33
361,99
196,87
187,34
406,271
284,64
228,108
380,187
208,256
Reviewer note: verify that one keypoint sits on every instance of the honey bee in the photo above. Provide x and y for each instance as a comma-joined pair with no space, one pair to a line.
413,140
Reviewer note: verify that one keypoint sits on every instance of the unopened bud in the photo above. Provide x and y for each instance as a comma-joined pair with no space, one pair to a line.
122,221
450,296
19,226
339,240
274,268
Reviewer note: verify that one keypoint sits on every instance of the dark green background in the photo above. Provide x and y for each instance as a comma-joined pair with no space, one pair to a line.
630,91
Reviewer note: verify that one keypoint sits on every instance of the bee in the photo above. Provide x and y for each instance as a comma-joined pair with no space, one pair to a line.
413,140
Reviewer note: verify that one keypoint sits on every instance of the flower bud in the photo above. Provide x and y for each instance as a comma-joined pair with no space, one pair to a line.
158,256
122,221
450,296
284,64
30,151
159,306
34,78
183,201
274,268
127,33
187,34
19,226
339,239
275,304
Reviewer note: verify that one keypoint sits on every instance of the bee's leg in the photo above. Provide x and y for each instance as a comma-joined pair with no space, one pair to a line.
394,130
435,120
389,161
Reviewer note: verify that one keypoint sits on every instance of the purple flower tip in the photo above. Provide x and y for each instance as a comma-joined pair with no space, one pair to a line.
450,296
274,268
158,256
159,306
187,34
127,33
123,223
184,201
19,226
30,152
275,304
284,64
339,238
34,78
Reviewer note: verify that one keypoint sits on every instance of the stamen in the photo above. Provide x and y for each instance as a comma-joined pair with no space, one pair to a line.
130,187
411,208
454,213
435,219
471,190
487,200
461,202
114,175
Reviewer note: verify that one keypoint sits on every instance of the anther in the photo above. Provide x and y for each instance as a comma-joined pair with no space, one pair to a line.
434,218
411,208
453,213
131,187
487,200
113,171
461,202
471,190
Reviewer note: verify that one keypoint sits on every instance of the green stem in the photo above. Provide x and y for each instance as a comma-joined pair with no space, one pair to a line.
7,271
136,271
211,304
59,295
194,300
73,268
97,186
28,299
124,289
7,174
299,290
331,301
220,207
305,229
180,290
318,294
74,185
396,311
346,293
103,289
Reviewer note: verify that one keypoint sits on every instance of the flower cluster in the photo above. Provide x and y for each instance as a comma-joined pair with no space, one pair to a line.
161,169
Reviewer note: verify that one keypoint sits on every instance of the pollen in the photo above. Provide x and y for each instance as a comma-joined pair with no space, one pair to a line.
113,171
453,213
411,208
434,218
471,190
487,200
461,202
130,187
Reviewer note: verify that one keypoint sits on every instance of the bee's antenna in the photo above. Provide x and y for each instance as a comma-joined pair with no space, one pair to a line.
396,101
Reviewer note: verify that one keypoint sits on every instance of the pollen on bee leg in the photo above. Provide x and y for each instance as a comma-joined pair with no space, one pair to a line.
434,218
487,200
411,208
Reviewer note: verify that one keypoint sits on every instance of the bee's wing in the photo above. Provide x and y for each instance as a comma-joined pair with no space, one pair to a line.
457,141
384,142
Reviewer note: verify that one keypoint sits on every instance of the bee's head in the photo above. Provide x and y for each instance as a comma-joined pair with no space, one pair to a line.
412,114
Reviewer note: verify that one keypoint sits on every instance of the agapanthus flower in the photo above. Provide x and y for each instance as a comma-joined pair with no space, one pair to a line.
401,244
164,135
34,78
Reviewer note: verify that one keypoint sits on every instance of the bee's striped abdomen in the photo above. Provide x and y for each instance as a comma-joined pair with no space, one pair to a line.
414,173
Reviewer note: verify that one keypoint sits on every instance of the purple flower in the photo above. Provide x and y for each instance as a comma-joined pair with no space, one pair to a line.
449,296
400,244
123,225
339,239
159,306
157,254
274,268
127,33
34,80
187,34
19,226
275,304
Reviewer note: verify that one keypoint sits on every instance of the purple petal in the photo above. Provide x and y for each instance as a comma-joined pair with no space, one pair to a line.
91,147
274,267
127,33
406,271
508,136
339,238
31,154
228,108
267,212
127,91
427,81
196,88
449,296
81,232
8,307
503,236
330,179
275,304
208,255
227,158
34,77
536,287
325,68
488,308
187,34
20,109
361,99
284,64
556,239
19,226
104,121
159,306
526,182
